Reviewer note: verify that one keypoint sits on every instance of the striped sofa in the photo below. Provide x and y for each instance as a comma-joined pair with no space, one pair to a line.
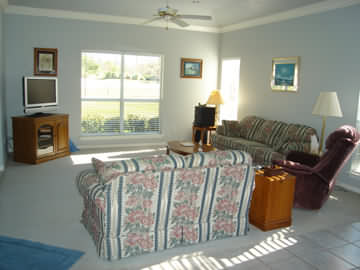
150,204
265,140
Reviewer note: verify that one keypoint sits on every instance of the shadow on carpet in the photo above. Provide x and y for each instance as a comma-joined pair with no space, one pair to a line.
18,254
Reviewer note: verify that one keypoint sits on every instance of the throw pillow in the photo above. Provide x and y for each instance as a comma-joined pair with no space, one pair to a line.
269,132
249,126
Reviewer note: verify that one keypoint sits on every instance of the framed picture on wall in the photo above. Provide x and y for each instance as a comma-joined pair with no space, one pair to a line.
191,68
285,74
45,62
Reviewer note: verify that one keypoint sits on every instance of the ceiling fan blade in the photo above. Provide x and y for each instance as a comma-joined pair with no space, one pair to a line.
152,20
197,17
179,22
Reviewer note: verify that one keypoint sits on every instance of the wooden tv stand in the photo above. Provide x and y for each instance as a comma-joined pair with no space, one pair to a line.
40,137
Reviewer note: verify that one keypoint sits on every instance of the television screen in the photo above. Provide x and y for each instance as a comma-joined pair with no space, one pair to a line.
40,92
204,116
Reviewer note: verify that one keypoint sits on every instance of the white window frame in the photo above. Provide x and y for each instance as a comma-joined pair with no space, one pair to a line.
121,99
355,160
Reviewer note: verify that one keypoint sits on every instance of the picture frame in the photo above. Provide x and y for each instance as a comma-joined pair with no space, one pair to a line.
191,68
285,74
45,62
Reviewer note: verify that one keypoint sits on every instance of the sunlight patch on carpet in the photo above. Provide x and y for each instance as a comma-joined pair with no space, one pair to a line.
80,159
199,260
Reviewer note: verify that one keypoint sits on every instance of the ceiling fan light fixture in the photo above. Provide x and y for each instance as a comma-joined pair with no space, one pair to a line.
170,14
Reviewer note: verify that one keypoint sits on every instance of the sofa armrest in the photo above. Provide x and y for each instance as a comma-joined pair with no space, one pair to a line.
220,130
85,180
303,158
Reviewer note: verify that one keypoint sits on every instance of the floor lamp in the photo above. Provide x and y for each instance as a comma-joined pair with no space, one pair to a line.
326,105
215,99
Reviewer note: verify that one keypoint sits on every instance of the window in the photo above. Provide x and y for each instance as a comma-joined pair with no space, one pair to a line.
230,79
355,164
120,93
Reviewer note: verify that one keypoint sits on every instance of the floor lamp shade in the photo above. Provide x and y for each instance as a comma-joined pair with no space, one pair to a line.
326,105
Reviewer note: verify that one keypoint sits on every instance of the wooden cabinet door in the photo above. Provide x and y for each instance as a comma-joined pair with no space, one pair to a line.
62,135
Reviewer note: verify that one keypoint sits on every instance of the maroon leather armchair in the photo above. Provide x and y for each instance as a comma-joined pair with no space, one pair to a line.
315,175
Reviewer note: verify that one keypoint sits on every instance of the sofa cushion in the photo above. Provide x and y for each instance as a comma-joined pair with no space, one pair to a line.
287,147
231,128
244,144
264,155
269,132
295,133
216,158
261,154
249,126
222,142
108,171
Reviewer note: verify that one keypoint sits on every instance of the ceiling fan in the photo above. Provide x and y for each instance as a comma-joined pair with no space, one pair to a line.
171,15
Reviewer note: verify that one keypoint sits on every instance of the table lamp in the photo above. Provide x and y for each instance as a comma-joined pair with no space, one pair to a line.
326,105
215,99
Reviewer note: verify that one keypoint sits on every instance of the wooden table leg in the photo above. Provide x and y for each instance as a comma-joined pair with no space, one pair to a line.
193,134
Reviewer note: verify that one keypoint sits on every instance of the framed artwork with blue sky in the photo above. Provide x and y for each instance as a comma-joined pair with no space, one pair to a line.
191,68
285,74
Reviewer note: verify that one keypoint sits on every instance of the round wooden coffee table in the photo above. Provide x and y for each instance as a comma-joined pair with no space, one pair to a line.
178,148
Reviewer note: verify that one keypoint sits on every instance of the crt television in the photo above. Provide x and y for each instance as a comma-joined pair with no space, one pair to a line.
40,94
204,116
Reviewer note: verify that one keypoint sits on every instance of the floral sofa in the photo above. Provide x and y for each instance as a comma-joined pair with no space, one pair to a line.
265,140
149,204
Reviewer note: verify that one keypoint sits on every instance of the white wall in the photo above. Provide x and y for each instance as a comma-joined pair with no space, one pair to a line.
328,45
23,33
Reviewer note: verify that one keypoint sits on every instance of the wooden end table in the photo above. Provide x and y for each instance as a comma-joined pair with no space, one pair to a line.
203,131
272,201
176,147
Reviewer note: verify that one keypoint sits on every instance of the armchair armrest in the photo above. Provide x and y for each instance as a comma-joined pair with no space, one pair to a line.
298,169
303,158
293,167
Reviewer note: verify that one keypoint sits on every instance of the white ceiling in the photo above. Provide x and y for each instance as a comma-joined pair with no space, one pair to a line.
225,13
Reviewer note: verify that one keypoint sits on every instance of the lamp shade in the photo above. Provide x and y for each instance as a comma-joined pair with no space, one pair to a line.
215,98
327,104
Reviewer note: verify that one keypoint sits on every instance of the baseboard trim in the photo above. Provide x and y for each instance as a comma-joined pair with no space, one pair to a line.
92,146
348,187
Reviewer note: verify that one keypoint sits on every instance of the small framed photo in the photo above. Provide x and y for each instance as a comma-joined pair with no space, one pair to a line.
285,74
45,62
191,68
